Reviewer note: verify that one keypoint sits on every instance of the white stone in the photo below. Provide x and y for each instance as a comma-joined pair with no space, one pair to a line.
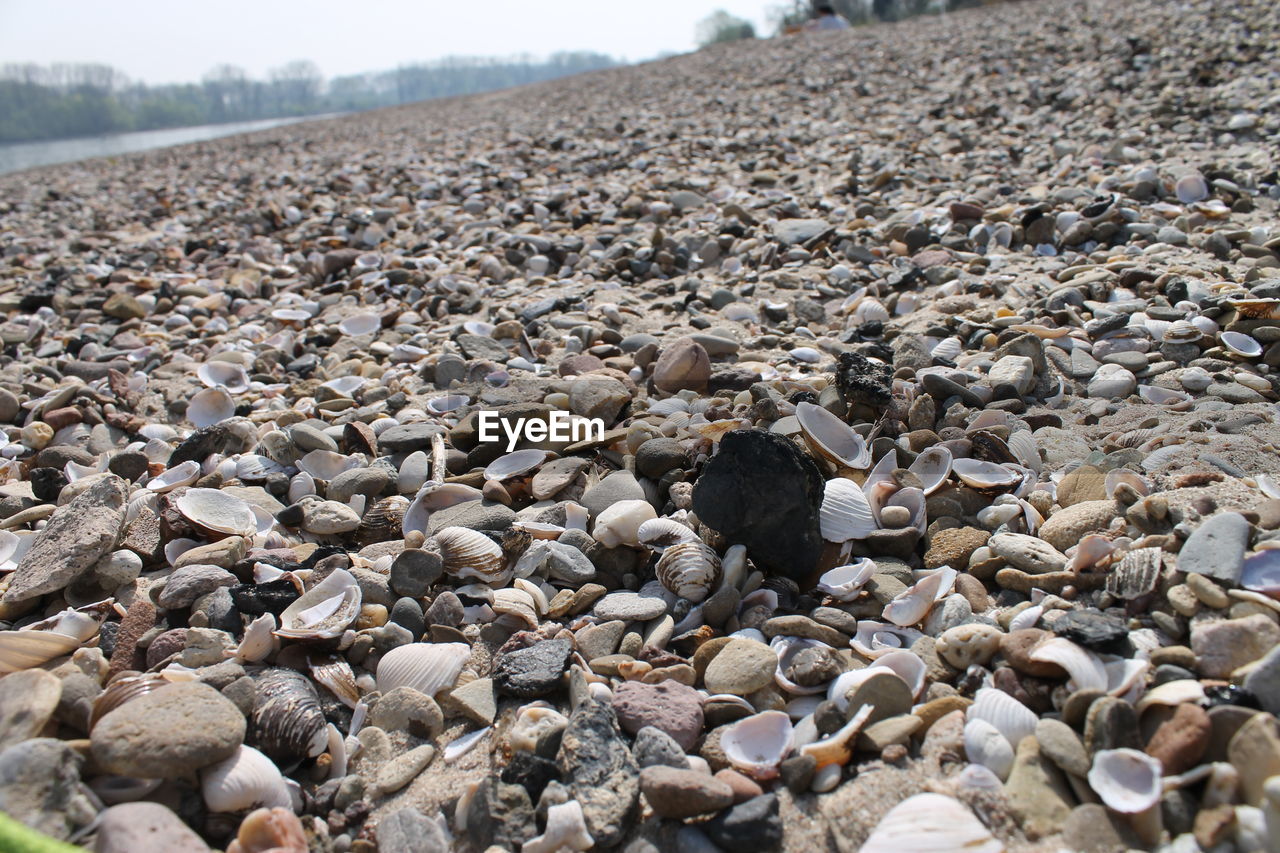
1016,370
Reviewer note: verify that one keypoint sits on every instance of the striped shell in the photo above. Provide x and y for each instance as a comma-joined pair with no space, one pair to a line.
246,780
287,723
845,513
928,822
660,533
1137,574
123,690
426,667
31,647
1009,716
383,521
470,554
689,569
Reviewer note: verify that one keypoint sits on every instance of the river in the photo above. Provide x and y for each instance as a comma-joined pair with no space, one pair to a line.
15,157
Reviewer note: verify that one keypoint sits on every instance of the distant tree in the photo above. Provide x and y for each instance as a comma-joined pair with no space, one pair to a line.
297,86
720,27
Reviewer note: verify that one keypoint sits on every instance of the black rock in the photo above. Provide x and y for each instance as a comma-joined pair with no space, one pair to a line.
863,381
531,672
762,491
654,747
797,773
407,613
130,464
414,571
605,779
270,597
501,814
227,438
753,825
1094,630
531,772
47,484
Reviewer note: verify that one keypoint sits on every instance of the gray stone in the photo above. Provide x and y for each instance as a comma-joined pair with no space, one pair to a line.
476,515
630,607
188,583
145,828
407,710
407,438
358,481
1216,548
168,733
618,486
28,699
1262,681
531,672
603,775
410,831
655,747
1223,646
40,787
414,571
792,231
1027,552
754,825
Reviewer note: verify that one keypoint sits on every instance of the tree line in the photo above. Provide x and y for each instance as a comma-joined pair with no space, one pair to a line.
65,100
720,26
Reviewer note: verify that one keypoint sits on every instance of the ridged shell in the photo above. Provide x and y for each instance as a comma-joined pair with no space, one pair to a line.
287,723
1257,309
253,468
1126,780
757,744
217,511
660,533
246,780
844,583
1181,332
517,603
845,513
1023,445
831,437
1137,574
336,675
210,406
470,554
931,823
30,647
933,467
983,744
426,667
324,611
689,569
947,349
383,521
123,690
1010,717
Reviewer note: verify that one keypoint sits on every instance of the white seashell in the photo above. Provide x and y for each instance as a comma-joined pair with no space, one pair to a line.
689,569
930,823
212,509
345,385
844,583
514,464
933,467
447,403
874,639
517,603
1172,693
979,474
1085,669
809,355
426,667
1009,716
619,524
462,745
1023,445
301,485
324,611
44,641
433,497
1162,396
325,464
252,468
1126,780
1116,476
224,374
947,349
913,604
756,745
832,437
1191,188
907,665
361,324
566,830
983,744
210,406
470,554
533,722
246,780
975,777
259,639
786,648
1240,344
1268,486
1026,618
1261,573
660,533
845,513
183,474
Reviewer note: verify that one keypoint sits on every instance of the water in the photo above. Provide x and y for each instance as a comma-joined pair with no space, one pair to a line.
27,155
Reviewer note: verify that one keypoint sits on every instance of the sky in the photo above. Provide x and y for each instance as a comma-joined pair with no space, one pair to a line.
177,41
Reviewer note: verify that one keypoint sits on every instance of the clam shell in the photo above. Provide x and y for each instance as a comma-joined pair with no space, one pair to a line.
1240,344
913,604
1137,574
27,648
259,639
470,554
246,780
982,475
844,583
1162,396
831,437
361,324
1181,332
1116,476
756,745
433,497
984,745
1023,445
1126,780
689,569
324,611
930,823
933,467
517,603
1191,188
619,524
1261,573
514,464
252,468
336,675
345,385
660,533
1085,669
786,649
426,667
845,513
287,723
218,511
947,349
383,521
223,374
210,406
1009,716
182,474
325,464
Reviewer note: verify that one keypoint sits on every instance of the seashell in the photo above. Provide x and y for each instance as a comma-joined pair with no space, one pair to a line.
259,640
462,745
786,649
756,745
831,437
361,324
933,467
514,464
1085,669
183,474
534,722
985,476
337,677
252,468
1240,344
930,823
619,523
122,789
844,583
907,665
223,374
14,546
845,513
690,569
517,603
913,604
433,497
566,830
947,349
1137,574
470,554
1094,550
1191,188
913,501
660,533
210,406
1026,618
873,639
1181,332
34,645
1256,309
1024,448
217,511
869,311
1009,716
1261,573
287,723
246,780
383,521
1172,693
325,464
345,386
1116,476
1126,780
426,667
983,744
1162,396
836,749
324,611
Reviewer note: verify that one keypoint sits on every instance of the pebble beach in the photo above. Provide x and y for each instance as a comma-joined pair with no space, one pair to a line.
917,487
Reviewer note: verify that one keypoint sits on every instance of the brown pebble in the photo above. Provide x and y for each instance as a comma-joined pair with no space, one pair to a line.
139,619
1180,742
1016,646
743,788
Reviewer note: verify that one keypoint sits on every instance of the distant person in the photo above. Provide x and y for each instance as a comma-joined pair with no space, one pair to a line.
825,18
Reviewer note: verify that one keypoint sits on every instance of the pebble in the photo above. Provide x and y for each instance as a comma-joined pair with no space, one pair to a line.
676,793
755,824
670,707
654,747
741,667
409,831
1225,645
145,828
535,671
1216,548
1038,798
39,787
28,700
1027,552
629,607
602,773
168,733
1181,740
1069,525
